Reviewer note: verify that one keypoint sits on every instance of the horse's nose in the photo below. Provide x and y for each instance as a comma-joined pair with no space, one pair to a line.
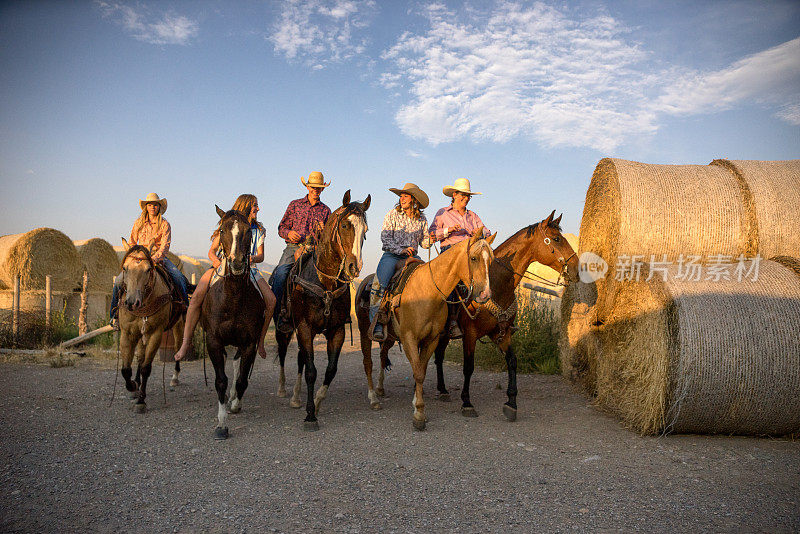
484,296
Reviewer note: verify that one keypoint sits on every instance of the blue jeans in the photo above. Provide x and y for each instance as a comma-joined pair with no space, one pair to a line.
281,272
174,273
387,265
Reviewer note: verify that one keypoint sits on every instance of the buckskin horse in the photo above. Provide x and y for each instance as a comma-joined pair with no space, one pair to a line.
147,308
318,295
420,315
232,314
540,242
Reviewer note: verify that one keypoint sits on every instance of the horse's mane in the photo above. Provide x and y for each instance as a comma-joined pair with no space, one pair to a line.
138,248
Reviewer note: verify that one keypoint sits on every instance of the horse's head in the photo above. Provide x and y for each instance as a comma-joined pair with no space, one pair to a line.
138,275
550,248
479,257
234,238
346,230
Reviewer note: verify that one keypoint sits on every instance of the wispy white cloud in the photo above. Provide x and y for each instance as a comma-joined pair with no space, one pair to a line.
561,78
413,153
320,32
161,29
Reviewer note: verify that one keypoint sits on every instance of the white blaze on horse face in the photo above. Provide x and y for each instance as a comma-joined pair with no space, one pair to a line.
360,227
234,238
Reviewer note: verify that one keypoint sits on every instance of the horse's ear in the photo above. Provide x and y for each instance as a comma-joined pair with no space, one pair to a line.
126,245
474,239
219,211
549,218
365,204
491,238
557,222
346,198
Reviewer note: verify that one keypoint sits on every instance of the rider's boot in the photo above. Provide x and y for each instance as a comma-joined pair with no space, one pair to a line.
453,330
378,333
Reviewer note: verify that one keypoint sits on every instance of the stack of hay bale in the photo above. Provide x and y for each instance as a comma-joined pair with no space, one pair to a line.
665,353
100,261
36,254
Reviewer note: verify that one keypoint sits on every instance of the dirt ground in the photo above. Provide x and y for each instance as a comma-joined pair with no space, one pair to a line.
71,463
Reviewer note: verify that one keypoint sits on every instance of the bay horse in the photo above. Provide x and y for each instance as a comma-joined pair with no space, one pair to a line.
540,242
318,292
419,318
232,314
146,310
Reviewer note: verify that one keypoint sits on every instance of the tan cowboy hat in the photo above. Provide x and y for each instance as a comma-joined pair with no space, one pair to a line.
152,197
461,185
412,189
315,179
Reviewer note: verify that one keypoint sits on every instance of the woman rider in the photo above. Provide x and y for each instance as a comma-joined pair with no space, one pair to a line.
453,224
404,230
151,228
247,205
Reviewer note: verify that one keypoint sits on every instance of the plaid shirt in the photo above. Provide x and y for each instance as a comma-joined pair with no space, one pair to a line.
302,217
143,233
400,231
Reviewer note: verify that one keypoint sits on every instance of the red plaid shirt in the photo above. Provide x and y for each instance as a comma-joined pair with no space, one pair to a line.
302,217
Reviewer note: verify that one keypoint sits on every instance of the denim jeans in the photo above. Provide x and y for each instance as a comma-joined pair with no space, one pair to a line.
387,265
281,272
174,273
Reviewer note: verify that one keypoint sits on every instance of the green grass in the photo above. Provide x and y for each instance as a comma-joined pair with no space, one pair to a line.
535,343
32,331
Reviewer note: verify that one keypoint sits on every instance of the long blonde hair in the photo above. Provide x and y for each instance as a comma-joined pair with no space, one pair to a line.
244,205
145,217
416,212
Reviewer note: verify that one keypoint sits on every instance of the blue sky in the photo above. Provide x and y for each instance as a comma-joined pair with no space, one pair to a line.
104,102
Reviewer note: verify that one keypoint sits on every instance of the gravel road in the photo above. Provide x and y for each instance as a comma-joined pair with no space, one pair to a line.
70,463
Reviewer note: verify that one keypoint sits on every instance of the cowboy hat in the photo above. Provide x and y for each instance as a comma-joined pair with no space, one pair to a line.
152,197
462,186
412,189
315,179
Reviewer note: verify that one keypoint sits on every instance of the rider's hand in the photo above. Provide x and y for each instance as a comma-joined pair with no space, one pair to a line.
454,228
294,237
409,251
478,231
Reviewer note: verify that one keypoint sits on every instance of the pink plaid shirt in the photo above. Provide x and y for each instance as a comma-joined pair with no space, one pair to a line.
446,218
143,233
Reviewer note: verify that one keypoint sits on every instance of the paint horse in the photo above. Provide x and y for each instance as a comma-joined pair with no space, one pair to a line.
232,314
419,317
318,296
148,307
540,242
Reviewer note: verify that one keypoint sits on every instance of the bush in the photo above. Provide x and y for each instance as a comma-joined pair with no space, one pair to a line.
32,331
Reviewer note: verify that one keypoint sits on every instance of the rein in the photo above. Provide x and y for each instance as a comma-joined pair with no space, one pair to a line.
155,305
462,300
540,279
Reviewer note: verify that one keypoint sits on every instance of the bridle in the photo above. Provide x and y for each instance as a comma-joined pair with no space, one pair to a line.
464,301
149,286
540,279
225,272
337,239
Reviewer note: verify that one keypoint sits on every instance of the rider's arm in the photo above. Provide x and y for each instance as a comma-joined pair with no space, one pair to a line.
387,235
134,240
438,230
212,252
258,257
165,235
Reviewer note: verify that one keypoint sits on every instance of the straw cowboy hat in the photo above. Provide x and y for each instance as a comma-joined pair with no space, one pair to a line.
412,189
152,197
315,179
462,186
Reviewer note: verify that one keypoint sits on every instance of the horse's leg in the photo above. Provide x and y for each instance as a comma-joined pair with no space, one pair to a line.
413,355
216,353
366,352
283,346
126,348
510,407
467,410
441,346
305,338
235,369
177,334
295,401
335,342
145,367
386,365
246,362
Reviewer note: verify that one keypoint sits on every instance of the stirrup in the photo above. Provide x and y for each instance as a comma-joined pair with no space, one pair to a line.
378,333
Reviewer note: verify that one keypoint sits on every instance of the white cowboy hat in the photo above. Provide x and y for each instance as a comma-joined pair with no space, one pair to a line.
152,197
315,179
413,190
462,186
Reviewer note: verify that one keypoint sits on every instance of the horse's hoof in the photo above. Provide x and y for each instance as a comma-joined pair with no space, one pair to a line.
310,426
295,403
376,406
510,413
235,409
444,397
133,394
221,432
419,425
140,407
380,392
282,393
174,382
469,411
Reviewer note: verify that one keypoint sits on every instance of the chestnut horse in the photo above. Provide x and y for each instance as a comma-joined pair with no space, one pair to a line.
146,310
232,314
419,317
540,242
318,290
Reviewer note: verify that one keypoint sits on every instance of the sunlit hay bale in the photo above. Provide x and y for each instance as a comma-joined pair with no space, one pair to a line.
578,339
100,261
191,266
774,187
641,209
36,254
789,262
704,357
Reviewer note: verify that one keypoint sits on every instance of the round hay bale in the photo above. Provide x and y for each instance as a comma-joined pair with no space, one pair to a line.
36,254
774,187
638,209
100,261
578,340
704,357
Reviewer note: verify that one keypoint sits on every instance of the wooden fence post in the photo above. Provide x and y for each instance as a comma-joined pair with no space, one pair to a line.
15,312
82,328
48,301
